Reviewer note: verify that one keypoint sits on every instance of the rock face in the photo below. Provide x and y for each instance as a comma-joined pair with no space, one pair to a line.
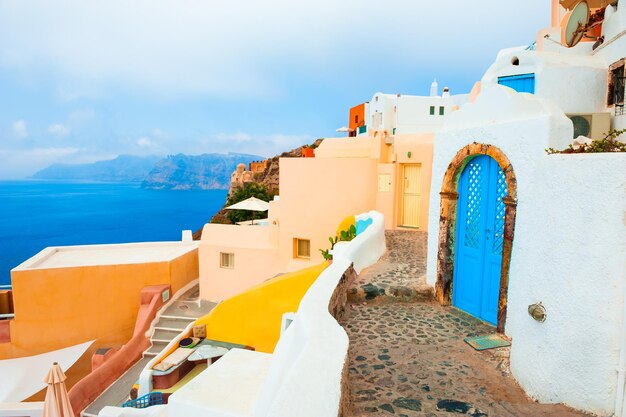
266,174
269,174
124,168
198,172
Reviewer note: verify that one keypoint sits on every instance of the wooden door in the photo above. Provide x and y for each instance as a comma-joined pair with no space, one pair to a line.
411,195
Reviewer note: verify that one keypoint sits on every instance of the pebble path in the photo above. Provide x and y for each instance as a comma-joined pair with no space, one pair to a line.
409,358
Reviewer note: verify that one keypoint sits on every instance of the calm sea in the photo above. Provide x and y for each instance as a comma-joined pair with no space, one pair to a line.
35,215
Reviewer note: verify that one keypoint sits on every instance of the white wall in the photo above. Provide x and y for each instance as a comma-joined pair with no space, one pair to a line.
305,375
576,83
410,114
568,251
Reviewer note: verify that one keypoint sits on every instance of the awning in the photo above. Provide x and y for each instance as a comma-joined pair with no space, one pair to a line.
593,4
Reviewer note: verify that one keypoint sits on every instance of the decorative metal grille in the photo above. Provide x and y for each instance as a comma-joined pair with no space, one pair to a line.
498,231
620,86
474,197
148,400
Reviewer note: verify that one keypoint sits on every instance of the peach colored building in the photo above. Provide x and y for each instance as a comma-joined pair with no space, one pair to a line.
389,173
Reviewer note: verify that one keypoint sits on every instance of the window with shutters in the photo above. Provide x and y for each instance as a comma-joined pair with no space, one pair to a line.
302,248
227,260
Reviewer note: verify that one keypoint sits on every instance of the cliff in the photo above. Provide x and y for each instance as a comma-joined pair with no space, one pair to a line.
197,172
269,177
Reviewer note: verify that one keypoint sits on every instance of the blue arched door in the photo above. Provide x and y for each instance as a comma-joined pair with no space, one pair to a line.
479,237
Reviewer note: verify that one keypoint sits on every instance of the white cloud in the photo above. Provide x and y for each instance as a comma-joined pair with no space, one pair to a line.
244,47
19,129
59,130
237,137
263,145
19,163
81,115
144,142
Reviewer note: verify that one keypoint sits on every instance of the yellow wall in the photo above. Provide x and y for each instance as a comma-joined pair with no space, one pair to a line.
253,318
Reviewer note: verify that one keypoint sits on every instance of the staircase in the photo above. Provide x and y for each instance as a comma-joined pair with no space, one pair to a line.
170,322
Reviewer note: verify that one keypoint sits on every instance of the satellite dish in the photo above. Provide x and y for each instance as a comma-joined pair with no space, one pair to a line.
577,24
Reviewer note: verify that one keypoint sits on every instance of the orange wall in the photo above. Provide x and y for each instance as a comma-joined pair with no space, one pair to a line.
60,307
357,111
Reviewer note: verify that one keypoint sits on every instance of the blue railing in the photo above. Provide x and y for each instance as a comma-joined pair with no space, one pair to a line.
148,400
532,46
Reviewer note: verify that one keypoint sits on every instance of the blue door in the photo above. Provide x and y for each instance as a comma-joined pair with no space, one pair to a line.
524,83
479,237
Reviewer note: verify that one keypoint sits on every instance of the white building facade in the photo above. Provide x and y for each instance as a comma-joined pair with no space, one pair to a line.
536,243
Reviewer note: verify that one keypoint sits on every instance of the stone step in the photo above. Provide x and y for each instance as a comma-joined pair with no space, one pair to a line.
373,293
188,309
163,335
155,349
172,324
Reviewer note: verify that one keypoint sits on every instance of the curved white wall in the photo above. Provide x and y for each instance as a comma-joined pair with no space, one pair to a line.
305,375
568,251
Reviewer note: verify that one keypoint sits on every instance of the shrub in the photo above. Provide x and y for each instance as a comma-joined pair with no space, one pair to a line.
250,189
608,143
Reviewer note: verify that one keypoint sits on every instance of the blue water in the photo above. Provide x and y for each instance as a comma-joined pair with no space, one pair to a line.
35,215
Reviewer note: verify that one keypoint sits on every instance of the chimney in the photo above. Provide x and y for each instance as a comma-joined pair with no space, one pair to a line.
434,89
446,92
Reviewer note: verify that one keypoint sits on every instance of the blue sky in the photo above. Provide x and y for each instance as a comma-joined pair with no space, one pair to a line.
83,81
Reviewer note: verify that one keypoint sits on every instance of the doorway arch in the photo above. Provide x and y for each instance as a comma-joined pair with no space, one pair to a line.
448,223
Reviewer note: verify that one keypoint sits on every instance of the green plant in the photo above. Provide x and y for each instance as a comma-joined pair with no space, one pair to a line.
608,143
344,236
250,189
326,254
348,235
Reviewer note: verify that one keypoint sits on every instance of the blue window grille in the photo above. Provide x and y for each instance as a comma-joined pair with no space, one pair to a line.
148,400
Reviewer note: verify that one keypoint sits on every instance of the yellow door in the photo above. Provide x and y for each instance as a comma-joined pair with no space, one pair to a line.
411,195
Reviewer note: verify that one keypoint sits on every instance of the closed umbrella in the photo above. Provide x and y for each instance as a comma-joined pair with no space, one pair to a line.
57,402
251,204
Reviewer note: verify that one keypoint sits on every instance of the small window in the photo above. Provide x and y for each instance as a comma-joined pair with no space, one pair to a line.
356,118
442,110
302,248
515,61
227,260
432,110
616,84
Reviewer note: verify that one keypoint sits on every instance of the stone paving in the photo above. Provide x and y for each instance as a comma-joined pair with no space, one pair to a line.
401,272
409,358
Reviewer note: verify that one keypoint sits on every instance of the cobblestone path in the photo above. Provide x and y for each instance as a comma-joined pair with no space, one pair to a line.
409,358
401,272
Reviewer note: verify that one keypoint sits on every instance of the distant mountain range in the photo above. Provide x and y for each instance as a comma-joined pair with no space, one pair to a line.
175,172
124,168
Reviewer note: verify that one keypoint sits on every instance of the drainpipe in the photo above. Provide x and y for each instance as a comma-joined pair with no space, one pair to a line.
621,369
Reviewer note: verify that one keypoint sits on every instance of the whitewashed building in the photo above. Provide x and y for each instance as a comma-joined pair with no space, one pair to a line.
409,114
536,243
